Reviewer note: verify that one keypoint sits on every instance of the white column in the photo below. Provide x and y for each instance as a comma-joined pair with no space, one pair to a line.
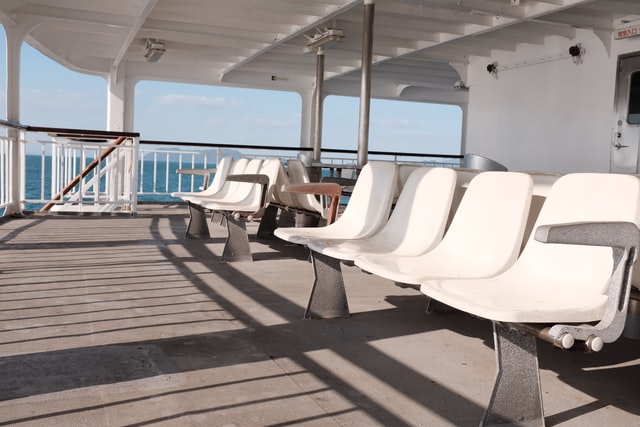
116,98
15,37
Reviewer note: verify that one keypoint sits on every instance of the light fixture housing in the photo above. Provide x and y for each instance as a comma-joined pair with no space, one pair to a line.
153,50
326,38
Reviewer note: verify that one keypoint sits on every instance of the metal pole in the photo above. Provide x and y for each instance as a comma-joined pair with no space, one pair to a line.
317,130
365,82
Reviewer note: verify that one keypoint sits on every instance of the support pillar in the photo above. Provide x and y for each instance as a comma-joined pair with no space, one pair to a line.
365,82
120,100
317,99
15,38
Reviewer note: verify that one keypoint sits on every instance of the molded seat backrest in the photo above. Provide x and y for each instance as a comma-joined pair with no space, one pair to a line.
464,177
222,170
370,203
228,187
542,183
580,197
488,226
240,190
420,214
274,170
404,172
278,196
298,175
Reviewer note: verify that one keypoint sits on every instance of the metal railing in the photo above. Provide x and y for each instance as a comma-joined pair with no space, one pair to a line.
42,171
67,169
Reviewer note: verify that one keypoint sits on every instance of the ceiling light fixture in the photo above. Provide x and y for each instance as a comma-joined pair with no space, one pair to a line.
326,38
153,50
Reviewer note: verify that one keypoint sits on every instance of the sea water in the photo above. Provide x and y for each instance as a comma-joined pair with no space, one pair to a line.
156,184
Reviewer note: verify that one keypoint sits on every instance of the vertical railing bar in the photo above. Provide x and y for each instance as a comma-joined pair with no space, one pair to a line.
141,171
166,172
180,175
193,177
43,160
155,170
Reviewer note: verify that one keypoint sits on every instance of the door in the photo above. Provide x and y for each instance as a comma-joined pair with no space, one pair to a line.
626,129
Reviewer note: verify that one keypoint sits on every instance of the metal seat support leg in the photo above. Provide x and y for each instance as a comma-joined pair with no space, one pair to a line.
328,297
268,223
516,398
197,227
236,247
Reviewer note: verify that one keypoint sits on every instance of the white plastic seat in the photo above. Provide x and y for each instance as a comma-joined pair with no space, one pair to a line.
225,188
298,175
368,208
483,239
415,226
222,170
552,282
231,191
236,207
256,198
571,282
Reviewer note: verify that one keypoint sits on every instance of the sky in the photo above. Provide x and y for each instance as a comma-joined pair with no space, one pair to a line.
52,95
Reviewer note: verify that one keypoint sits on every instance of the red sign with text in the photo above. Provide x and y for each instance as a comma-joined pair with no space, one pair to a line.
627,32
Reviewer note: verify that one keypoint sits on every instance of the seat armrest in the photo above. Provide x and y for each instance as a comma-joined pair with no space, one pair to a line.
328,189
624,235
204,172
624,239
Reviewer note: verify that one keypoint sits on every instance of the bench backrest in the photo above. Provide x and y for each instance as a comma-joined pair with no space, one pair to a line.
279,197
582,197
236,191
228,187
370,202
404,172
222,170
274,170
486,233
298,175
464,177
420,215
542,184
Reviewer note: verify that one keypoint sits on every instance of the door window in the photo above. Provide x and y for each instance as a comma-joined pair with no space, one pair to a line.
633,117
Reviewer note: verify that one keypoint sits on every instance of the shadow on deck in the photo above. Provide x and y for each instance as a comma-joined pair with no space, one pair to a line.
124,321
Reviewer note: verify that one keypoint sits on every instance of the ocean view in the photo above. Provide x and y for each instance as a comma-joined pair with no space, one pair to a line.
166,180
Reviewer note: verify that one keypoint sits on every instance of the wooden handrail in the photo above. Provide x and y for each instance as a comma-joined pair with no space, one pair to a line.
91,166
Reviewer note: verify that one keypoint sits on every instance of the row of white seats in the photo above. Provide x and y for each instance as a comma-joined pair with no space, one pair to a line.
571,281
241,189
249,189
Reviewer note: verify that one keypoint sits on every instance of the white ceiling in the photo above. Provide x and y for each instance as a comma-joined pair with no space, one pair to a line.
418,44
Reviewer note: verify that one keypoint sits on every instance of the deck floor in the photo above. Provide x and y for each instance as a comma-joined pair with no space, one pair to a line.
114,321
